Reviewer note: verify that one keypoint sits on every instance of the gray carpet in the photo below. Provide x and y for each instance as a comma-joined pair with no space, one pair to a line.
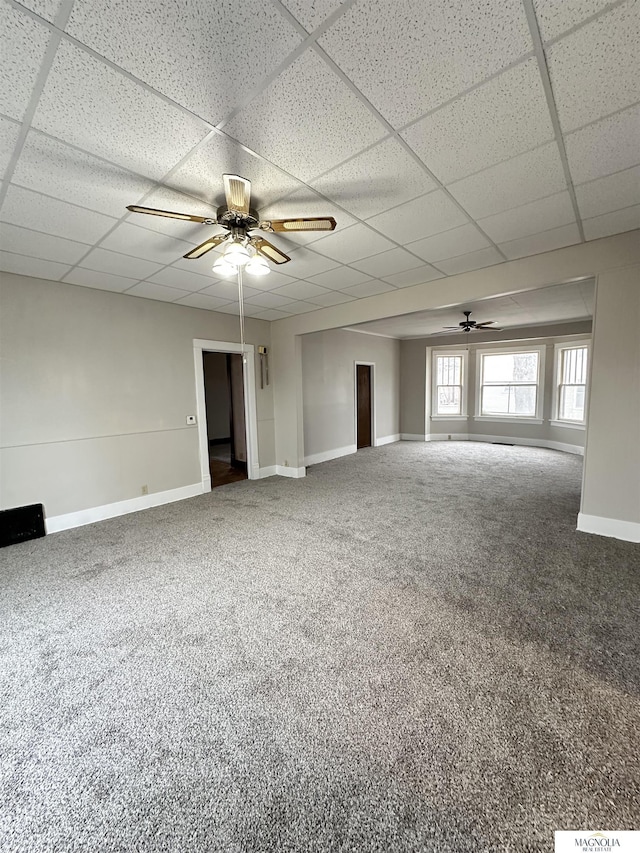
410,650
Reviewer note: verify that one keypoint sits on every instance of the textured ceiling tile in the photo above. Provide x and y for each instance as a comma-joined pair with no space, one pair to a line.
388,263
212,46
307,120
141,243
99,280
26,242
457,241
49,166
305,202
472,261
47,9
612,223
183,280
409,57
311,15
201,300
269,300
611,193
419,218
541,215
89,104
23,42
32,210
382,177
332,297
300,307
155,291
340,278
201,175
605,147
518,181
557,16
596,70
223,289
35,267
352,244
409,278
301,290
502,118
271,314
165,198
234,308
369,288
305,264
9,131
101,260
534,244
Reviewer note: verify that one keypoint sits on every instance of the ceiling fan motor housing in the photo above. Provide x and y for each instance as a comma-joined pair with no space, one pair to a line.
232,219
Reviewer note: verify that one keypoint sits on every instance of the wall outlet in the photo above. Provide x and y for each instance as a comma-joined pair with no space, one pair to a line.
145,490
286,463
191,420
448,438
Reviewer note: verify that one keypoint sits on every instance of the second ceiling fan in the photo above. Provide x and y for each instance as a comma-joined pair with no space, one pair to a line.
239,219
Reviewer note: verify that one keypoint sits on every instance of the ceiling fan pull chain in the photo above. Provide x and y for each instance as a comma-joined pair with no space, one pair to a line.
241,306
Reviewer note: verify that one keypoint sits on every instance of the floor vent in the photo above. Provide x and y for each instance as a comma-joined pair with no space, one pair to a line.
503,443
21,523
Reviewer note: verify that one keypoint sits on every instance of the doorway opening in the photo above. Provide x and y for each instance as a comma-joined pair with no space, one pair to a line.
364,405
226,428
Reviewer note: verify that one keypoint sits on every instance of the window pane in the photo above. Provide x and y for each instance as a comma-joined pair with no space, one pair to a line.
449,400
572,403
510,367
574,366
449,369
522,400
509,400
495,400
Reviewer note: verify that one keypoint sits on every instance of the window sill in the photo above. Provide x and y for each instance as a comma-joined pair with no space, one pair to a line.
449,417
508,420
568,424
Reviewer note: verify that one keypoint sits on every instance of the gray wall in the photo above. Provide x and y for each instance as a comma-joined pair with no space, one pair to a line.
328,388
96,387
216,389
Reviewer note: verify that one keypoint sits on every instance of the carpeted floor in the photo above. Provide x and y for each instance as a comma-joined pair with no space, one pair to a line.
409,650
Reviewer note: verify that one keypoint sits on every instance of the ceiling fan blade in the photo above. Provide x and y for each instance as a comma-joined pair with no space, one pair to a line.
451,327
238,193
205,247
311,223
486,323
264,247
170,214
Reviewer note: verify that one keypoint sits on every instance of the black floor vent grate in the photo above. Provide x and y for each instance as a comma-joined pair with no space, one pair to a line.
21,523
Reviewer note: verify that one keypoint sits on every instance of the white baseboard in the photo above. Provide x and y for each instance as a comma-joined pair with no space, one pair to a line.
266,472
387,439
627,530
507,439
410,436
286,471
326,455
100,513
443,436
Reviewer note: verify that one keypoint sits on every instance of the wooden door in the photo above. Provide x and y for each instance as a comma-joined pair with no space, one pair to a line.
237,428
363,384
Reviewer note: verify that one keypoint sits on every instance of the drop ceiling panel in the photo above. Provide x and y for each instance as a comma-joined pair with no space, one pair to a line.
409,278
23,241
306,264
51,216
473,261
300,307
382,177
102,260
23,42
89,104
35,267
225,289
99,280
183,280
610,193
234,308
504,117
340,277
518,181
155,291
390,49
369,288
45,8
556,17
202,69
201,300
9,131
307,120
269,300
456,241
595,70
311,15
613,223
555,238
300,290
141,243
605,147
331,298
419,218
51,167
352,244
388,263
540,215
271,314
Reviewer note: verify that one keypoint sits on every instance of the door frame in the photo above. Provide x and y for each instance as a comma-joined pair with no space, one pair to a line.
374,435
250,416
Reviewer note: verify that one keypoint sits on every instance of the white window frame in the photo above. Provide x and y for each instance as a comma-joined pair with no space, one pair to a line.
464,394
527,419
557,367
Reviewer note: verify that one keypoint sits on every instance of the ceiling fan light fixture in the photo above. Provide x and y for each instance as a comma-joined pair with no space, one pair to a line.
236,254
257,266
224,268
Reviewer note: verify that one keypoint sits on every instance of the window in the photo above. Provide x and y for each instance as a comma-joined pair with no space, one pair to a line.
509,384
449,393
571,383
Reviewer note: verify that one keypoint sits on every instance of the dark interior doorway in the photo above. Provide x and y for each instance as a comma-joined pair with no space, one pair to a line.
226,428
363,396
